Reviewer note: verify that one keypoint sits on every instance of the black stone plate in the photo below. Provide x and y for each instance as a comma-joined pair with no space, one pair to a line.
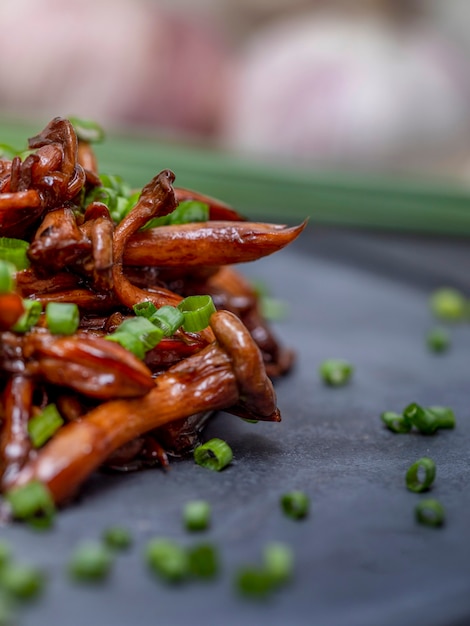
360,557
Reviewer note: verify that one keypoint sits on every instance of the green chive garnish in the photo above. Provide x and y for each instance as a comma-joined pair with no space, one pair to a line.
7,277
430,512
423,419
197,311
215,454
41,427
254,582
203,561
417,482
196,515
91,562
336,372
167,560
438,340
445,417
21,582
32,503
117,538
295,504
278,560
14,251
145,309
448,304
137,334
62,318
168,319
395,422
30,317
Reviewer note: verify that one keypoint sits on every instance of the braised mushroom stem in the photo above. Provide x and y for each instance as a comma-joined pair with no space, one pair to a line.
212,379
14,438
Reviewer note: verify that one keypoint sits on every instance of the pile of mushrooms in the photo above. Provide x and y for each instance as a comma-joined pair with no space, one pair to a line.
118,410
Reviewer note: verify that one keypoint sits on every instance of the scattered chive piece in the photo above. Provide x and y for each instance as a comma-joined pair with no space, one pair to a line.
254,582
278,561
197,311
196,515
203,561
21,582
14,251
438,340
117,538
5,554
87,130
395,422
7,276
430,512
445,416
414,481
41,427
187,211
215,454
62,318
145,309
32,502
167,560
128,341
90,562
424,420
295,504
448,304
139,328
30,317
168,319
273,309
336,372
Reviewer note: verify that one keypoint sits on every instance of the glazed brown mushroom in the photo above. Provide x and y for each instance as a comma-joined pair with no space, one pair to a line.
210,380
120,411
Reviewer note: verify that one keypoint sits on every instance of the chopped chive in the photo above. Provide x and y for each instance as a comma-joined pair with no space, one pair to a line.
336,372
215,454
129,342
273,309
145,309
197,311
117,538
41,427
395,422
187,211
91,562
32,503
196,515
140,328
7,276
295,504
423,419
167,560
278,560
254,582
21,582
438,340
168,319
203,561
430,512
5,554
14,251
417,483
445,416
62,318
448,304
30,317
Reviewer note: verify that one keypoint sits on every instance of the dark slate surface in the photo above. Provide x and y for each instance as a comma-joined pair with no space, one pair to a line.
361,560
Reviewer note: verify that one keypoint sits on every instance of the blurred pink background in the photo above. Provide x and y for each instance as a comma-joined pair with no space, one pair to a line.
367,84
